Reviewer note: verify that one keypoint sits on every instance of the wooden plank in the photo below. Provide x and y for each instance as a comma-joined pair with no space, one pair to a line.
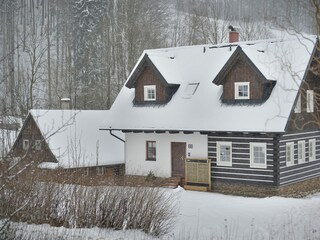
197,188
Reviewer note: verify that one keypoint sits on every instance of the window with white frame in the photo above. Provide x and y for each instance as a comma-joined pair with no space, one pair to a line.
224,153
297,109
301,151
25,144
289,153
37,145
258,155
151,150
312,149
150,93
310,101
242,90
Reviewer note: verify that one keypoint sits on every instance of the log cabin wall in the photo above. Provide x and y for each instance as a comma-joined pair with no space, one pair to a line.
299,171
240,171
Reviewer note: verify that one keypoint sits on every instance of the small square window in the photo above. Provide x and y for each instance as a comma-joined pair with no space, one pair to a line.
25,144
242,90
150,93
37,144
151,150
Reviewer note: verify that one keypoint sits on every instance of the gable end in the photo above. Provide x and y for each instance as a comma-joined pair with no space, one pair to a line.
150,86
242,81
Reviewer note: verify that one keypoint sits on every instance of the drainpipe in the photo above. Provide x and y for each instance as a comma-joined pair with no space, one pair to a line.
110,131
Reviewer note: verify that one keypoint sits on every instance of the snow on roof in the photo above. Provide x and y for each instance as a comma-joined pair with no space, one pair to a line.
75,139
284,61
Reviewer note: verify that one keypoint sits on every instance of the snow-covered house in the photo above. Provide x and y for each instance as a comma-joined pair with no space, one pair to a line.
249,107
69,139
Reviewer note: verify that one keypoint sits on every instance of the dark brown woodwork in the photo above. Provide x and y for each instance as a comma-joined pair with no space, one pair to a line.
307,120
178,156
149,77
242,72
31,132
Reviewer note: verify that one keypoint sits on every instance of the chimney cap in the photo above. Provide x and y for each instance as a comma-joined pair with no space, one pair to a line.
233,28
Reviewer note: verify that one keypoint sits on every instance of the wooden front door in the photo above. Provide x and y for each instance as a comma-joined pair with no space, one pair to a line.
178,156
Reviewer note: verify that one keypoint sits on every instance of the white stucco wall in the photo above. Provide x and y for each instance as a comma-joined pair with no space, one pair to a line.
135,151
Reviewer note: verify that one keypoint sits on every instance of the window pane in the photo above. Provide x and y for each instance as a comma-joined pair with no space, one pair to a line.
243,91
258,154
151,150
150,93
224,153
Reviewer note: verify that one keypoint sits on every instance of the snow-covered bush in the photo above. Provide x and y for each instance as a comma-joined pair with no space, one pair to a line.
74,206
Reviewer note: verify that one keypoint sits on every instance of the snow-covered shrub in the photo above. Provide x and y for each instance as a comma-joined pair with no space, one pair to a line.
74,206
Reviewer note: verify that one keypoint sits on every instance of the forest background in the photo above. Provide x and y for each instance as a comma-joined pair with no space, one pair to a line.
85,49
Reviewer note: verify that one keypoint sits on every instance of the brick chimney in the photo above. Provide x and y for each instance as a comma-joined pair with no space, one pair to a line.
65,103
233,34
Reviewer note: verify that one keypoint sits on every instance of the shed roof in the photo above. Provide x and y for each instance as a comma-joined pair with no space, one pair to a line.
284,61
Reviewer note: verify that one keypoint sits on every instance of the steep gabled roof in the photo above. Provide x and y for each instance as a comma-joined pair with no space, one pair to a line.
237,54
145,61
74,138
284,61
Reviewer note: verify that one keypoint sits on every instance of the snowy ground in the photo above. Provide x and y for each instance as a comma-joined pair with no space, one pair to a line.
216,216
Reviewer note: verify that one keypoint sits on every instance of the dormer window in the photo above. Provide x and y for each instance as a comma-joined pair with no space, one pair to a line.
150,93
242,90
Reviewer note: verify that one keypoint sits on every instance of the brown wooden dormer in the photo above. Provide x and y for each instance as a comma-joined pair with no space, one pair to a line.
242,81
149,84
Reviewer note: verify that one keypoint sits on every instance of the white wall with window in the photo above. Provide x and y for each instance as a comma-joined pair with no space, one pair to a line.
258,155
312,149
289,153
301,151
135,151
150,93
224,154
310,101
242,90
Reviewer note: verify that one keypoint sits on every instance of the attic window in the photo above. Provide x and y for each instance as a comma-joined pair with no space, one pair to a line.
241,90
25,144
191,89
150,93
